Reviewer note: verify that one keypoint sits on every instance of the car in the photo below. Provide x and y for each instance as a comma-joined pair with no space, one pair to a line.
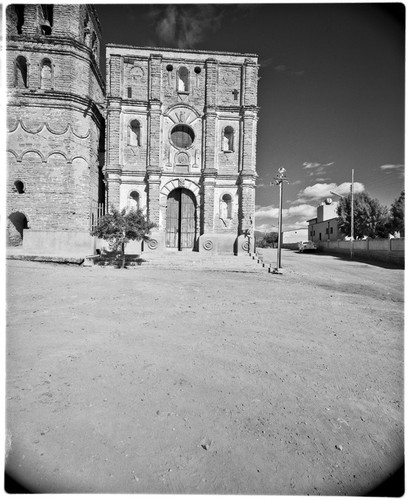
307,246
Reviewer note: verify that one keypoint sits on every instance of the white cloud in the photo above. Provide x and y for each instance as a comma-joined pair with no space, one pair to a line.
304,210
316,192
296,216
393,168
307,164
320,191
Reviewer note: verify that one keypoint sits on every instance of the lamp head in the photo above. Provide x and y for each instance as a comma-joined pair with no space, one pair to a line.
281,170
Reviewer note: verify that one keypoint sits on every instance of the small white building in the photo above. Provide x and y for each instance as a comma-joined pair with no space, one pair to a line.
324,227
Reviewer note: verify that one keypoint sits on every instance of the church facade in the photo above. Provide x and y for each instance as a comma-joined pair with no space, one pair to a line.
173,133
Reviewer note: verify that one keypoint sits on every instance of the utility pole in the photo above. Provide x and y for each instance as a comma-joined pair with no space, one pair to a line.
278,180
352,215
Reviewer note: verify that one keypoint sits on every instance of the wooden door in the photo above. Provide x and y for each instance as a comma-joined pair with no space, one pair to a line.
187,219
180,219
173,219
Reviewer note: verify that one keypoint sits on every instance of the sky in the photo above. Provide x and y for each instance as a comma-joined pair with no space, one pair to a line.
331,90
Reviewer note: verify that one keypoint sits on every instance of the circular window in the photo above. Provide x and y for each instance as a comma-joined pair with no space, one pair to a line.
182,136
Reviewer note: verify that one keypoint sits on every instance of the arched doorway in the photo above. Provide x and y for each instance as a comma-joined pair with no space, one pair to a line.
17,223
181,219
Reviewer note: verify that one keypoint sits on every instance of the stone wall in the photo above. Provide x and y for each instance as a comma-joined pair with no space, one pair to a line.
214,95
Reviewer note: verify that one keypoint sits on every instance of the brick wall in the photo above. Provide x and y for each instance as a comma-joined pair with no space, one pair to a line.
54,131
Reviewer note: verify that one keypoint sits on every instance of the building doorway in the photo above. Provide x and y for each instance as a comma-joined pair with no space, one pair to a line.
181,219
17,223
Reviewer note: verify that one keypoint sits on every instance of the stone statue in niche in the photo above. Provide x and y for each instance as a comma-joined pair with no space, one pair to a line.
226,144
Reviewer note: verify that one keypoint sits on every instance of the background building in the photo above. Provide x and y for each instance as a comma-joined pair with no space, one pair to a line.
324,227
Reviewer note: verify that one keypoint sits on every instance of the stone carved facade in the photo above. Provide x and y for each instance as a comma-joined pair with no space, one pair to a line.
181,131
197,114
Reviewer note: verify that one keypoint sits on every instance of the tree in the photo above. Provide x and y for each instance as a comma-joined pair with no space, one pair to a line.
120,227
397,219
370,217
268,240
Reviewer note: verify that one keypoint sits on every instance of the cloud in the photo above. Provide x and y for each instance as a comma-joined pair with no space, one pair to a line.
184,26
308,164
296,216
345,188
393,168
320,191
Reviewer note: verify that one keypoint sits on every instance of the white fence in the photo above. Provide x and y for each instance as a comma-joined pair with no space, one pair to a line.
388,250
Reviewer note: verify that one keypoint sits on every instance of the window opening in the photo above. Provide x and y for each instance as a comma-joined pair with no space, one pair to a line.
183,79
19,187
86,29
129,92
226,207
228,139
182,136
21,72
134,133
20,18
47,19
133,201
46,74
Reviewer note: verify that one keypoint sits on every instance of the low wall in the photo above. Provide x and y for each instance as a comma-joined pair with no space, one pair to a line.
57,242
388,250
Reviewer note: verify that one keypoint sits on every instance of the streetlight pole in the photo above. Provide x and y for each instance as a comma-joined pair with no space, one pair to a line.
352,215
278,180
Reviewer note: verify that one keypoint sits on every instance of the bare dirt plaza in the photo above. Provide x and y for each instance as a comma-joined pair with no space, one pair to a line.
209,377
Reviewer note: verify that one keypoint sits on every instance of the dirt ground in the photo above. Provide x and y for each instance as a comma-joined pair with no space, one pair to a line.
205,378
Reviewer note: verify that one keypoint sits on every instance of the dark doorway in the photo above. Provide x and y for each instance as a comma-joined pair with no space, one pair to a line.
181,219
18,224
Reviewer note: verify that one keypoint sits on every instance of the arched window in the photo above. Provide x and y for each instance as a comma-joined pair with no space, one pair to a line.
228,139
20,18
19,186
183,79
225,211
134,137
86,31
21,72
46,77
133,201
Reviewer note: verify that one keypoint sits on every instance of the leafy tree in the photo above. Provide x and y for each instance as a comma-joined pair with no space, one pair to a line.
370,217
120,227
397,219
268,240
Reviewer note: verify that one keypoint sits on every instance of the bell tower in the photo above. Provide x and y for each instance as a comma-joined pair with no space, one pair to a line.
56,125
